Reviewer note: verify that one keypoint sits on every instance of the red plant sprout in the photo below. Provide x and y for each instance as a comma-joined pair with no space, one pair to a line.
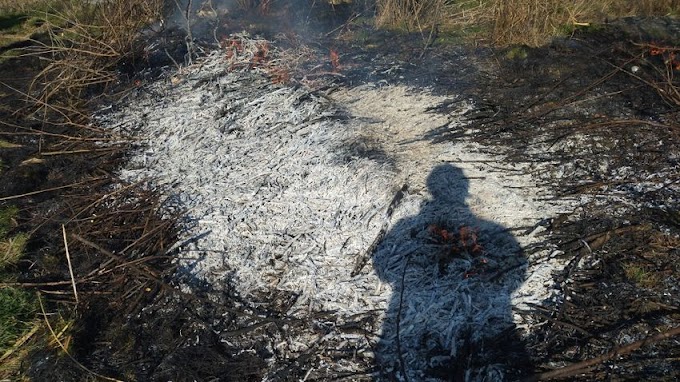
464,233
261,55
668,53
335,60
438,232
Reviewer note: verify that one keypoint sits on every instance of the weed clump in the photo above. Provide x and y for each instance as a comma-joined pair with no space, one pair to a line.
12,247
6,217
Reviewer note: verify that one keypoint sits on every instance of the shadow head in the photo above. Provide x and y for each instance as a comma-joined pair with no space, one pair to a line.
448,184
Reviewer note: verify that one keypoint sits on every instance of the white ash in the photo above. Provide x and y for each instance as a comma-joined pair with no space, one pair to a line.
285,188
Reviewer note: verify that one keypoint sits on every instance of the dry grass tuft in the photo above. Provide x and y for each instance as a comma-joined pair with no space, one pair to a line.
86,45
642,7
529,22
20,5
533,22
410,14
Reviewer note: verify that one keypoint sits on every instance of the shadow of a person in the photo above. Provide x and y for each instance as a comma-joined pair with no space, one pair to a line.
452,275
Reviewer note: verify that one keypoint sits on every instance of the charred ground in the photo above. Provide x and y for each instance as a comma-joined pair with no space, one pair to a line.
600,110
610,135
595,107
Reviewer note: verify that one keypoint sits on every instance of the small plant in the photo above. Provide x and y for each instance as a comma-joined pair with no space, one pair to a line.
335,60
517,53
11,249
7,216
641,276
669,54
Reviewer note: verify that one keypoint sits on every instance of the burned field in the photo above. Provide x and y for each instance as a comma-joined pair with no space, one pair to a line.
597,120
372,209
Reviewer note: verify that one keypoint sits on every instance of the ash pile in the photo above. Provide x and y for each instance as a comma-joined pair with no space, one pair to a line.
334,240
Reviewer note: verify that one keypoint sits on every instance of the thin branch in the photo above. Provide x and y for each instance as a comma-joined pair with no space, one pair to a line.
82,151
50,189
68,260
577,368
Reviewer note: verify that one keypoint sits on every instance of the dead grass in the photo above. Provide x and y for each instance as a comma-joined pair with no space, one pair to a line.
409,14
81,46
20,5
86,44
534,22
528,22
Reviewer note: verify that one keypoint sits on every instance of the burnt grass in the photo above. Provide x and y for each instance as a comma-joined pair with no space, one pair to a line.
591,118
594,129
587,127
130,323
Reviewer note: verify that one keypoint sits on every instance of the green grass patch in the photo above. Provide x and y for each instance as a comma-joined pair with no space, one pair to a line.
641,276
11,22
18,307
17,315
11,246
517,53
11,249
7,216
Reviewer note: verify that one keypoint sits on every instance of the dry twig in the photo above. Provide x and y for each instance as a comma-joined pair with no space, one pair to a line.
577,368
68,260
50,189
